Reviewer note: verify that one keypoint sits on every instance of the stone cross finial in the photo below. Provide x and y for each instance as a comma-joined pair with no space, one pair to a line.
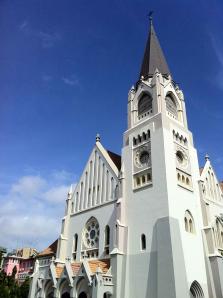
207,157
98,138
150,15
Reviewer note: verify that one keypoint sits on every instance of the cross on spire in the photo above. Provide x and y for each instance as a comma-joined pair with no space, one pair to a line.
153,57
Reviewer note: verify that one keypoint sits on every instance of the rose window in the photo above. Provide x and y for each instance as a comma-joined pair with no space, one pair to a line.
91,234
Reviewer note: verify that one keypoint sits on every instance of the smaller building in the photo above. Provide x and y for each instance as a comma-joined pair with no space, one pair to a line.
11,261
23,259
26,267
26,252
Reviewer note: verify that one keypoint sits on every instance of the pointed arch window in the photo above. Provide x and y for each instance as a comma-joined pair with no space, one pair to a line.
107,240
145,104
196,290
189,222
90,239
75,242
171,105
143,242
219,233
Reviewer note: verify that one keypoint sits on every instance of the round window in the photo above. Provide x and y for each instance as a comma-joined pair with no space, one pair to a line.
144,157
91,234
180,157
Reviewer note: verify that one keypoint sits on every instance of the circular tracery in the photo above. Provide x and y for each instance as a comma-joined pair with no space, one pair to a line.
144,157
180,157
91,234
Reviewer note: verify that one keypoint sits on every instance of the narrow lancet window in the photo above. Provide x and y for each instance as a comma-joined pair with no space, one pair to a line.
107,239
143,242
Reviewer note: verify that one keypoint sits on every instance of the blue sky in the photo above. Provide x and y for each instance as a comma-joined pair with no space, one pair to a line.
66,68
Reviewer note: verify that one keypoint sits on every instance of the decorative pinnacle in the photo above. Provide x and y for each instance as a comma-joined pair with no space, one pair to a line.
207,157
98,138
150,17
70,190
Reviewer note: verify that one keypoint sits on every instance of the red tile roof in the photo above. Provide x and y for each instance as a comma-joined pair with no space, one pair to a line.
51,250
75,267
104,265
59,271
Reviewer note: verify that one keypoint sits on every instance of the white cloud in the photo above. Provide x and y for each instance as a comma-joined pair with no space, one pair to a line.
31,211
28,186
71,81
46,39
62,175
56,194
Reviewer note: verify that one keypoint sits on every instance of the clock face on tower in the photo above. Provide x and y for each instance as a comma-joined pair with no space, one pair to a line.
181,158
142,157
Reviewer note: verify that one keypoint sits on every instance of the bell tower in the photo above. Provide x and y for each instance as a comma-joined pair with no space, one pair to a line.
160,195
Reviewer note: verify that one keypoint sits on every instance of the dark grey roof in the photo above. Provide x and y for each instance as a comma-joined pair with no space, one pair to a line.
153,56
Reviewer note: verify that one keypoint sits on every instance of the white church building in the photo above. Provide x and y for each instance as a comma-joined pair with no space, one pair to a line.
148,223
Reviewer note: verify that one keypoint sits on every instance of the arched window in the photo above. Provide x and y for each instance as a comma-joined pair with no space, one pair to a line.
190,226
138,181
171,105
144,104
90,238
107,237
107,295
65,295
183,179
149,177
143,242
189,222
82,295
186,224
196,290
219,233
75,242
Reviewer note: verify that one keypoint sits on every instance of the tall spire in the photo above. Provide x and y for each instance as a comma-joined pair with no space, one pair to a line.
153,57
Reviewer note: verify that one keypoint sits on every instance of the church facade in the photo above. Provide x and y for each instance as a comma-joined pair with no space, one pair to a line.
148,223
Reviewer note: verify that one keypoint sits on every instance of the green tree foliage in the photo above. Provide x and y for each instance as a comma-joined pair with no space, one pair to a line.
9,288
24,289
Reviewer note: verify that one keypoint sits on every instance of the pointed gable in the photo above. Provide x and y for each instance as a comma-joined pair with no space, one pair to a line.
153,57
212,188
99,181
